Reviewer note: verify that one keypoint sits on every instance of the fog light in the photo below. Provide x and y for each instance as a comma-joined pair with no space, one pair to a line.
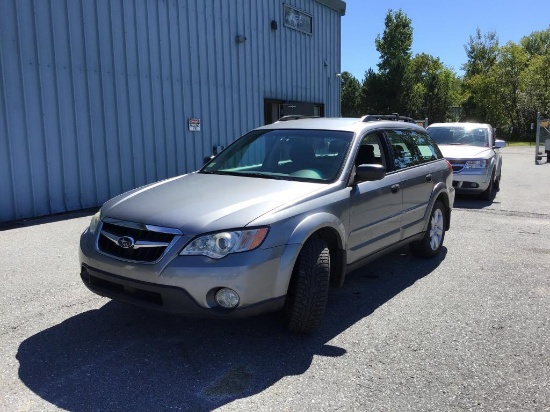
227,298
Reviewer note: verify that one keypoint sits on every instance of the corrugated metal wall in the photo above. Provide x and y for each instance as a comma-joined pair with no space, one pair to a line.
95,95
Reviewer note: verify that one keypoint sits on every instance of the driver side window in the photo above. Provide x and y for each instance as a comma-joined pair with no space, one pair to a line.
370,152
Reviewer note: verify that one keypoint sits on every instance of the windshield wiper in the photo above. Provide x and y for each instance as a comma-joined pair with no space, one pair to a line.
216,172
262,175
246,174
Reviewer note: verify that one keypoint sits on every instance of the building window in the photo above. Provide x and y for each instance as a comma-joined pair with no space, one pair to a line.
298,20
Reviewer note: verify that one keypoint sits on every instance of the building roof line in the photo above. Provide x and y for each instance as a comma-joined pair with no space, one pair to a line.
338,5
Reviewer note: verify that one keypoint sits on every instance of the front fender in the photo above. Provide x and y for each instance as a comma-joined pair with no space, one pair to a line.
301,233
315,222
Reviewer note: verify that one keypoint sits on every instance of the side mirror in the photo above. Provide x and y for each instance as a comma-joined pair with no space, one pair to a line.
369,173
499,144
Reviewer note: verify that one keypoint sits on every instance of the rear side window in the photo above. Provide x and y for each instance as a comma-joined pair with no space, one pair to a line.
426,146
411,148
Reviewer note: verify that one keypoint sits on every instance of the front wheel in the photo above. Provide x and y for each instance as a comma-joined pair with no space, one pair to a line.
308,289
488,193
497,181
430,245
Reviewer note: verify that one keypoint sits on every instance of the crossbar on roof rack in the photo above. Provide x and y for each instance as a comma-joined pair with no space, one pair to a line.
296,117
393,116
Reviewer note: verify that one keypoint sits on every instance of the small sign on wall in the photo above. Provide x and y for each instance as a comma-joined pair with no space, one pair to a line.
194,125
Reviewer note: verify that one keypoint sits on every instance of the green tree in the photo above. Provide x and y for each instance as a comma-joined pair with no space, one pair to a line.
394,47
535,79
537,43
481,52
507,85
372,88
434,88
350,95
535,86
505,76
478,86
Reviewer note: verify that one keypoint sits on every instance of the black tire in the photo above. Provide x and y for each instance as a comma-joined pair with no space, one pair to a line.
308,289
488,193
497,181
432,242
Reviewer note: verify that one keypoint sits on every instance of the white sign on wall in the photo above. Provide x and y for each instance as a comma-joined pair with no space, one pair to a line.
194,125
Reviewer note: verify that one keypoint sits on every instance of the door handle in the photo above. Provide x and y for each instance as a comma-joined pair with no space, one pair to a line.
395,188
429,177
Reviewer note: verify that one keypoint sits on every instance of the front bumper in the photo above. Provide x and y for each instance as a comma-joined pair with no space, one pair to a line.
471,182
164,298
186,285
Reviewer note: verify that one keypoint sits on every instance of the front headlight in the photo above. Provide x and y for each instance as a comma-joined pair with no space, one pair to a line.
221,244
94,223
476,164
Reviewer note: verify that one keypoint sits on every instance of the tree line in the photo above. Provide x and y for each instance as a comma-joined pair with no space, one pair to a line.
502,85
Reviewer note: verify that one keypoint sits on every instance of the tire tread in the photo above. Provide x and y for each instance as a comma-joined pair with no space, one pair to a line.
310,285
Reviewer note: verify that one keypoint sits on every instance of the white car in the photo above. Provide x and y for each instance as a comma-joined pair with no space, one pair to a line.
473,150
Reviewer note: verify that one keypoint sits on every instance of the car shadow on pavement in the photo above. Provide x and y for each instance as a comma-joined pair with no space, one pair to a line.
124,358
474,202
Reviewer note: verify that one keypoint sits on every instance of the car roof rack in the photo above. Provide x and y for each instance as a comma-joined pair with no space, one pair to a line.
296,117
393,116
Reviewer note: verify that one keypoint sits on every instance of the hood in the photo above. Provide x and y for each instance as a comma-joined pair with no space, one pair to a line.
198,203
466,151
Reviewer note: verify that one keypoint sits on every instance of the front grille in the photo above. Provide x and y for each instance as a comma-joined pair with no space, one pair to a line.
142,244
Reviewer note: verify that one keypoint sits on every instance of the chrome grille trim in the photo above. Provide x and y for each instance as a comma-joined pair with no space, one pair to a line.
138,244
148,245
141,226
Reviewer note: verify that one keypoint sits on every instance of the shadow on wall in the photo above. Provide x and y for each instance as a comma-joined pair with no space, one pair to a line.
124,358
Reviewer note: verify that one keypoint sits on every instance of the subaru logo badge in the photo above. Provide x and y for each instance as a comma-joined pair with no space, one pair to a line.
126,242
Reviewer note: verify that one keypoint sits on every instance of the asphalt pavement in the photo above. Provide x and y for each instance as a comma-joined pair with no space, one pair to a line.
468,331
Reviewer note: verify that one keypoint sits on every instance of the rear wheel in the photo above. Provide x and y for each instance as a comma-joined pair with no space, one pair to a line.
308,289
430,245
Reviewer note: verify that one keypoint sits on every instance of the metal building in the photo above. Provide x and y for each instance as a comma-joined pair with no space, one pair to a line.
100,96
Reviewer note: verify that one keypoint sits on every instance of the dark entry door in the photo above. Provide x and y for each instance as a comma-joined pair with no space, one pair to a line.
275,109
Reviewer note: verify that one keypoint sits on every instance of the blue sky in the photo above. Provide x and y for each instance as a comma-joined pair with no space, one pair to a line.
441,28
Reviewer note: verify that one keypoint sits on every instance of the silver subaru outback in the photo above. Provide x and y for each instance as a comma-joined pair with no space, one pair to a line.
274,220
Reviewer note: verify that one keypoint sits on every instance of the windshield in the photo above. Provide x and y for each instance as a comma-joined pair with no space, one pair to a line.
458,135
310,155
